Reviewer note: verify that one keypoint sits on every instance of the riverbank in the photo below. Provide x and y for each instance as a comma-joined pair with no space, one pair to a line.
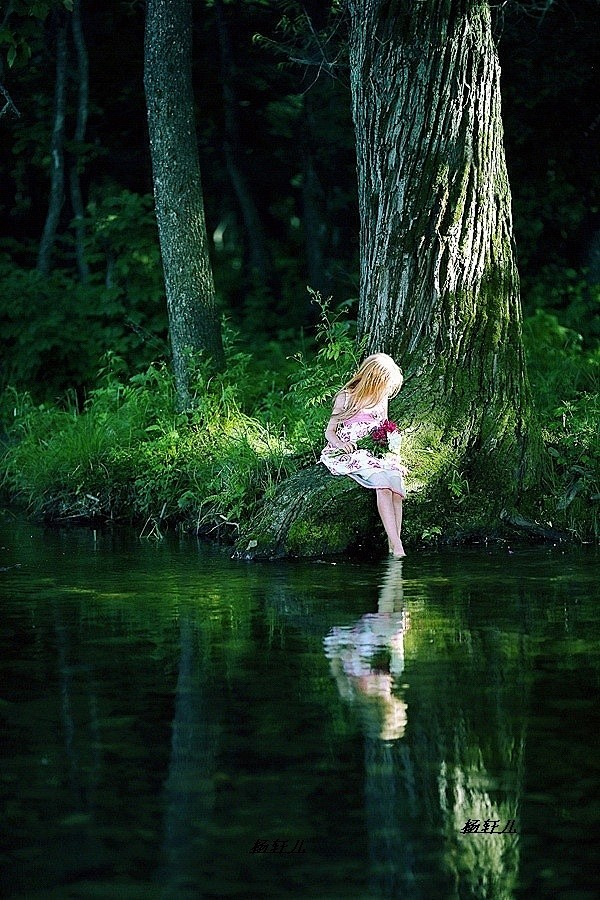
127,457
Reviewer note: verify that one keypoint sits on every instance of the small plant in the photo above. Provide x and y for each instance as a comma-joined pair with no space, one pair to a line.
458,485
316,379
573,444
431,534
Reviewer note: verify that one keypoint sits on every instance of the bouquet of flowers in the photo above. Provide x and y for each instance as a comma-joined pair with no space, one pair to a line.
382,439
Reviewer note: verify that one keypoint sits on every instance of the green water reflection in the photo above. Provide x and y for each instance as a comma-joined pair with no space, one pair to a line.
178,724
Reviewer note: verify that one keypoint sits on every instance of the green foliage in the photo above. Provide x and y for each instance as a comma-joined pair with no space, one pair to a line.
566,294
559,367
56,329
573,482
21,30
566,386
127,453
57,460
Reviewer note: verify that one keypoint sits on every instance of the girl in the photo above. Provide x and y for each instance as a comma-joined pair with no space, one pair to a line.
360,406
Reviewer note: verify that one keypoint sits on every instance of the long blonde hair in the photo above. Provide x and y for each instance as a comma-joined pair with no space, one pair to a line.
378,377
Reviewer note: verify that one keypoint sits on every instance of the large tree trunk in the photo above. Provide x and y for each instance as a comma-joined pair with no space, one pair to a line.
193,322
439,285
57,151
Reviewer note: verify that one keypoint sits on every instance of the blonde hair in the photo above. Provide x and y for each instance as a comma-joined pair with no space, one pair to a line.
378,377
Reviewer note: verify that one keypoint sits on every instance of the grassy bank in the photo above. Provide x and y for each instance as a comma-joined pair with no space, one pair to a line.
128,456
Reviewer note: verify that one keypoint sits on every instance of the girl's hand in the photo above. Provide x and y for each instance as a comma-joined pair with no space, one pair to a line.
348,447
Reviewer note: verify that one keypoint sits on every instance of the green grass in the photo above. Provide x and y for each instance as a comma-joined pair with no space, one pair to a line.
127,455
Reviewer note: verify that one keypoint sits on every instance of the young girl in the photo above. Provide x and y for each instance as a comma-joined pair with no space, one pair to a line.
360,406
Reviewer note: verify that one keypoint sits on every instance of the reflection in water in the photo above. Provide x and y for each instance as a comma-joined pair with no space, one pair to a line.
65,670
189,788
161,714
367,658
81,738
439,759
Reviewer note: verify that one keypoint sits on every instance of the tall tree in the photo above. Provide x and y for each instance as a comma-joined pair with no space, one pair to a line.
193,322
439,285
313,219
78,137
57,147
259,257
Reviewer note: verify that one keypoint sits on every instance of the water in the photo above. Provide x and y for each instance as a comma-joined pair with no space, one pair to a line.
176,724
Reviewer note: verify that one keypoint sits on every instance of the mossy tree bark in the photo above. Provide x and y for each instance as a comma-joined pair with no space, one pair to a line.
193,322
312,513
439,284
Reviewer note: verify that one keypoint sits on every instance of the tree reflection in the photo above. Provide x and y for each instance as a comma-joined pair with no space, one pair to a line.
441,707
189,788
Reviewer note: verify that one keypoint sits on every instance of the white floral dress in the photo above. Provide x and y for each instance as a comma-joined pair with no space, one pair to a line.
361,465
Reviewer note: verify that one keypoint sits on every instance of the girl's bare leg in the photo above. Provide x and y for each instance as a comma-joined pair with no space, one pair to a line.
397,503
387,514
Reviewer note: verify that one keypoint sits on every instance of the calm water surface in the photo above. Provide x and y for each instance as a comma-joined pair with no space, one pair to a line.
176,724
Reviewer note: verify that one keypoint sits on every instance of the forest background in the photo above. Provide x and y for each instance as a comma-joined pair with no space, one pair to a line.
90,422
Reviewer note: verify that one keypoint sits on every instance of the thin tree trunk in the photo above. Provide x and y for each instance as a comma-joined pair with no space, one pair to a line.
261,266
193,322
57,154
312,207
79,136
439,285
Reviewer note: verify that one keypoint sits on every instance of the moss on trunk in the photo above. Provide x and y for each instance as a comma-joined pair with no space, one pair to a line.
313,513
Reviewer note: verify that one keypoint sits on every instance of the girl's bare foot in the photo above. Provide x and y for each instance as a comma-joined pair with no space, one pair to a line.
398,551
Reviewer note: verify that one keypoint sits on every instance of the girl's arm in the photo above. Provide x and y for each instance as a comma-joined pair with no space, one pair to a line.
330,431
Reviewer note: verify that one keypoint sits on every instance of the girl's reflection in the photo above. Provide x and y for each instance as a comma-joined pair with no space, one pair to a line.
367,659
